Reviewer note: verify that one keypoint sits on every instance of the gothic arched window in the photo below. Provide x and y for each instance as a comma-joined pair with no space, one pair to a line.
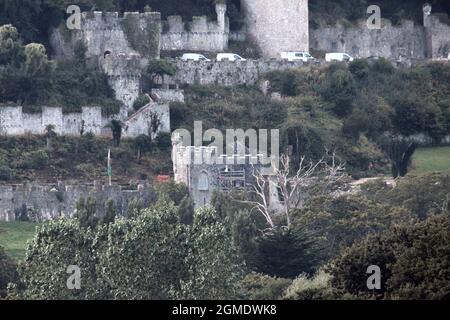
203,181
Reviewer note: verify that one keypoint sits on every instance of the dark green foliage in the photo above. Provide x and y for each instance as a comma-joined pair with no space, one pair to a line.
413,259
286,254
339,222
400,152
158,69
116,128
163,141
186,210
8,272
339,89
140,102
85,214
256,286
5,173
172,191
29,78
110,212
152,256
423,196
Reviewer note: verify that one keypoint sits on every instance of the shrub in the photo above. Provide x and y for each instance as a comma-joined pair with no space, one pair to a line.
8,272
163,141
315,288
286,254
5,173
257,286
413,259
141,101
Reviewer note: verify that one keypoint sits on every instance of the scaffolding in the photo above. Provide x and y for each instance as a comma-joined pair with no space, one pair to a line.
229,180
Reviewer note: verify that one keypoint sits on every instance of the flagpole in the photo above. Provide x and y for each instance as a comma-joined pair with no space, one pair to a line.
109,167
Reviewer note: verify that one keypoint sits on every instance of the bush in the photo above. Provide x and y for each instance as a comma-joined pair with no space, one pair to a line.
286,254
257,286
413,259
38,159
172,191
141,101
8,272
316,288
5,173
163,141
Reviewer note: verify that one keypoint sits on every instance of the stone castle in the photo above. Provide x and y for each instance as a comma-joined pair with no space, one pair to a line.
123,45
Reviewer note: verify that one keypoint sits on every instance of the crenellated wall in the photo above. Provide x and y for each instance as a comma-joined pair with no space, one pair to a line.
45,201
13,121
437,37
406,41
134,33
200,34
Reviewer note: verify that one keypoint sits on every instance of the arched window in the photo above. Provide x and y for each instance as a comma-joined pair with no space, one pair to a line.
203,181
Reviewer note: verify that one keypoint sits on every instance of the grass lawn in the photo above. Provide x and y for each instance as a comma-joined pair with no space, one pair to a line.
14,237
427,160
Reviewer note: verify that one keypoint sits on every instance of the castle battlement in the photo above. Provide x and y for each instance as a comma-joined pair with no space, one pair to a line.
200,34
191,155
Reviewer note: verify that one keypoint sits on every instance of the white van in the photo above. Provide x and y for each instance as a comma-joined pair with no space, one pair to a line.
194,57
297,56
338,56
229,57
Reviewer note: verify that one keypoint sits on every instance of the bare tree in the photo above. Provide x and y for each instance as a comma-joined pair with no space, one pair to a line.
320,175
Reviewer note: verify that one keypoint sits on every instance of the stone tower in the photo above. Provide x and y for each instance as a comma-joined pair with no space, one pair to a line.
277,25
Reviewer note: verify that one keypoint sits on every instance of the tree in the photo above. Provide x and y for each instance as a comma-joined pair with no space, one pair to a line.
290,185
258,286
186,210
151,256
158,69
8,272
57,245
144,258
110,212
214,268
86,213
11,49
400,151
286,254
116,128
340,221
50,134
142,143
413,259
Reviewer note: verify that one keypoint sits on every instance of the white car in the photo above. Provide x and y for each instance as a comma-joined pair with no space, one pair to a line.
229,57
297,56
194,57
338,56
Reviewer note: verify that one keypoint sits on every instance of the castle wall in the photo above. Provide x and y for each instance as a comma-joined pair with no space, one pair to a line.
277,25
198,34
135,33
226,73
44,202
141,122
438,37
390,42
15,122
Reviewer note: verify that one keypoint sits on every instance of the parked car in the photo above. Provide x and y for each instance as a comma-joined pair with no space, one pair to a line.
297,56
194,57
229,57
338,56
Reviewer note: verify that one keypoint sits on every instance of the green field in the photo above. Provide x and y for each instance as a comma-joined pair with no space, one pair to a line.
14,237
428,160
